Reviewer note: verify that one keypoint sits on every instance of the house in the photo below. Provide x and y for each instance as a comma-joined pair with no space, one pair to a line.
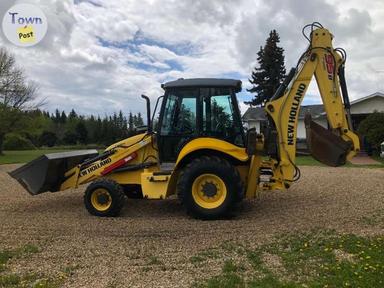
255,117
362,107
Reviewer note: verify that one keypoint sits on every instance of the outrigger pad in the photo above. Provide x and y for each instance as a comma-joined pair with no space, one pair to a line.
46,173
325,146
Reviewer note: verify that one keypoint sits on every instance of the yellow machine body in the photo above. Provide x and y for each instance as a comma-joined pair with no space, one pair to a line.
154,186
136,160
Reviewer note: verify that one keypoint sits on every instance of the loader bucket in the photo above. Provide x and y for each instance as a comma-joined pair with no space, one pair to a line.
325,146
46,173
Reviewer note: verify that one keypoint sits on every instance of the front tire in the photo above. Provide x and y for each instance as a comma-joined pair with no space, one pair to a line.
209,187
104,197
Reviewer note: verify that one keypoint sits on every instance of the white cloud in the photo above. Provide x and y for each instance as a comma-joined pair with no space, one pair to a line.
99,56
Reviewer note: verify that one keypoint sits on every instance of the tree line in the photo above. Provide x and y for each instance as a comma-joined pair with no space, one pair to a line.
41,128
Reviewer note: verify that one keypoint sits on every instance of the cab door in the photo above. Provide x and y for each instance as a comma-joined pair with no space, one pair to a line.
178,122
221,116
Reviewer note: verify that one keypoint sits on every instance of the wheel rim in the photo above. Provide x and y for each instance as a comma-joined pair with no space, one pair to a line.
101,199
209,191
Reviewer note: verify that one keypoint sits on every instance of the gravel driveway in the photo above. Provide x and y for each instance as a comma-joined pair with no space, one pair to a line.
126,251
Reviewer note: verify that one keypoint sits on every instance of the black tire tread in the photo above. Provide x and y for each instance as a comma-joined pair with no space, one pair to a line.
116,191
196,164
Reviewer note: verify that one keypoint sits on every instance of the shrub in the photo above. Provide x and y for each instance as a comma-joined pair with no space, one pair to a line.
47,138
15,141
70,138
372,128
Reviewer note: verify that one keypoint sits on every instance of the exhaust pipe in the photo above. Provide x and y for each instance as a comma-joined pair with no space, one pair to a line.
149,124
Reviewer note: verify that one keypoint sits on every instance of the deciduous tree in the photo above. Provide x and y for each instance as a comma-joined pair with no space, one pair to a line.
16,95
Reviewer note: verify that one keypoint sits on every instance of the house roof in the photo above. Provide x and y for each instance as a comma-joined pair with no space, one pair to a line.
203,82
376,94
254,113
316,111
258,113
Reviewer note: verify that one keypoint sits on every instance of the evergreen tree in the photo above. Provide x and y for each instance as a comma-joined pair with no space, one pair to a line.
97,136
120,120
107,131
140,121
63,117
72,115
130,122
81,132
271,71
125,125
56,118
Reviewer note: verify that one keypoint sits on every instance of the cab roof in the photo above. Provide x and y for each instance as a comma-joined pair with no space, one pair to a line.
203,82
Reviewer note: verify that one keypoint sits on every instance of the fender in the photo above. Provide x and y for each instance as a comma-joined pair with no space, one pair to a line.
234,151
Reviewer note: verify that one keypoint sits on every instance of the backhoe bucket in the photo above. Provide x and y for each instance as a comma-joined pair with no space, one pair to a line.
325,146
46,173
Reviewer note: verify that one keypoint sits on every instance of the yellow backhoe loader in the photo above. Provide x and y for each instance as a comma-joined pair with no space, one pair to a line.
199,150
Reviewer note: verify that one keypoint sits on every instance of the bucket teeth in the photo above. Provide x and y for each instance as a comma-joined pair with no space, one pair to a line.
325,146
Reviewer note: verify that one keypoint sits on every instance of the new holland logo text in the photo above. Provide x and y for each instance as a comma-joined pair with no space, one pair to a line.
293,113
95,167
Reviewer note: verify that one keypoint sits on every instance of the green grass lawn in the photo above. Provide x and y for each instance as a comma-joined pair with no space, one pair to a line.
314,259
310,161
11,157
307,161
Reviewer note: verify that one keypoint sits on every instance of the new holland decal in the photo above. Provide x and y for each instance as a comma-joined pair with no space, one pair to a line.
95,167
293,113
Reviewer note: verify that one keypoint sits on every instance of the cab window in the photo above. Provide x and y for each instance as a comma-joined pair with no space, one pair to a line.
180,113
219,116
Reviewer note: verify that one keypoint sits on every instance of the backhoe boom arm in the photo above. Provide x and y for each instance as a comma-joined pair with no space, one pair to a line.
333,146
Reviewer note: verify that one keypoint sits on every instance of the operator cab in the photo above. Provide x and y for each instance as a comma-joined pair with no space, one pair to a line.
194,108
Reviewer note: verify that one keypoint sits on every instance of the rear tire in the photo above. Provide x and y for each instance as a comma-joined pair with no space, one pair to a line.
209,187
104,197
